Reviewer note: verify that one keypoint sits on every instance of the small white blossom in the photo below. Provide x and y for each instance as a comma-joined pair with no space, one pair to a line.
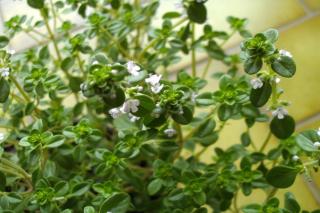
114,72
153,79
2,136
256,83
133,69
133,118
130,106
157,88
316,144
95,62
318,132
280,112
170,132
11,51
277,80
285,53
115,112
295,158
139,88
5,71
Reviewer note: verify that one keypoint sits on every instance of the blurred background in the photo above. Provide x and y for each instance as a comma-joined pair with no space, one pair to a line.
299,24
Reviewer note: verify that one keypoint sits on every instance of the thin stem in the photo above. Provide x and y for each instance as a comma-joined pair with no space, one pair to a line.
154,41
251,142
265,142
113,39
235,202
51,35
204,74
206,69
80,64
180,140
271,194
193,51
22,92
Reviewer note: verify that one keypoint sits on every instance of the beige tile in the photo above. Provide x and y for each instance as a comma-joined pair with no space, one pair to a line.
313,4
303,89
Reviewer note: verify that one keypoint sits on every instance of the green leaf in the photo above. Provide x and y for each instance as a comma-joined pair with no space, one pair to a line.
197,12
272,35
282,128
260,96
146,105
4,90
224,112
206,128
154,186
67,63
171,15
80,188
282,176
118,203
252,208
89,209
204,99
284,66
245,139
55,141
4,41
290,203
185,117
253,65
37,4
306,139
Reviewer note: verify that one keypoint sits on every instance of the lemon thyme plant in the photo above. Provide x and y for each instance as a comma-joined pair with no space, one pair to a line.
94,119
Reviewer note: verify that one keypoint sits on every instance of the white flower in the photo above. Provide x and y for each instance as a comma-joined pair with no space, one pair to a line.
133,118
285,53
154,82
115,112
133,69
295,158
153,79
130,106
11,51
114,72
318,132
256,83
139,88
170,132
5,71
95,62
316,144
2,136
157,88
280,112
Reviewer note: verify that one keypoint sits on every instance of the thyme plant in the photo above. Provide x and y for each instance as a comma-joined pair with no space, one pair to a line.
94,118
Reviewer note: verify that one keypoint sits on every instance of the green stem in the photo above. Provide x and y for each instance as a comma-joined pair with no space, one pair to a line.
204,74
154,41
235,202
265,142
114,40
271,194
206,69
193,51
21,90
51,35
180,140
